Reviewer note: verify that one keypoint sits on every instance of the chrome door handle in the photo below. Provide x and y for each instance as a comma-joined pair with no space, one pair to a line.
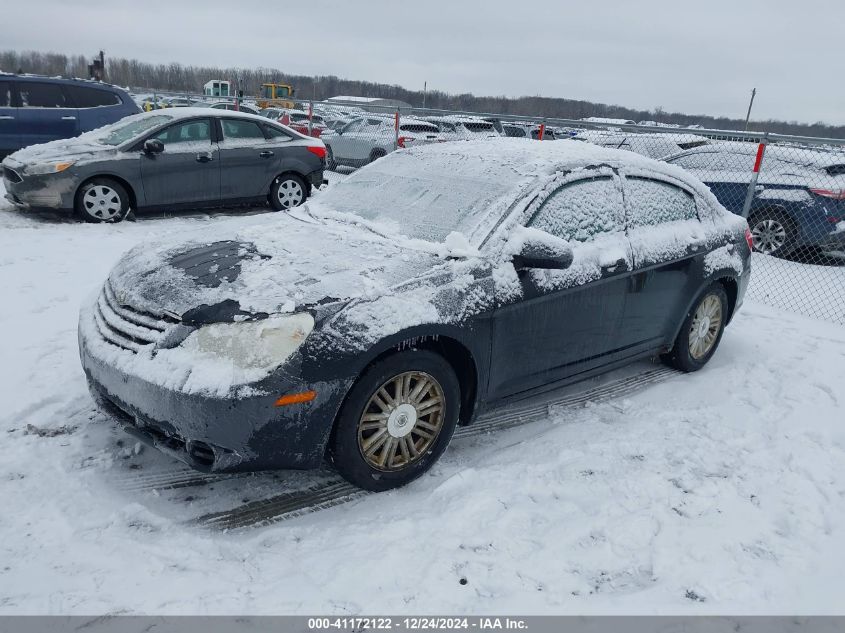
266,154
7,118
68,118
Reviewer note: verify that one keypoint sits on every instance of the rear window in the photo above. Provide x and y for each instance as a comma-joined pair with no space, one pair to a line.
85,97
42,95
419,128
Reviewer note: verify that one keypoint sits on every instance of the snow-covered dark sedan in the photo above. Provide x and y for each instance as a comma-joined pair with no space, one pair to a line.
175,158
423,289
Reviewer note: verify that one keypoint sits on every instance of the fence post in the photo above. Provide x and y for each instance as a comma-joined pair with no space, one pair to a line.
396,131
542,130
310,118
752,186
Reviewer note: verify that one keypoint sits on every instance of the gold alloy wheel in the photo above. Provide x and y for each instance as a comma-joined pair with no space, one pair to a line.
401,421
705,326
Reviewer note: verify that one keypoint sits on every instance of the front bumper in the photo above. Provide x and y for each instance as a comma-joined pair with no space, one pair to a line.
239,431
39,192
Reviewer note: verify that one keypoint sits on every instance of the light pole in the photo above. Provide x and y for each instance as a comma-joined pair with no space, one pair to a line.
751,103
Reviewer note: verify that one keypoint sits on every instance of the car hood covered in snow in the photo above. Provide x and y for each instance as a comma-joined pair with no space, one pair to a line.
291,263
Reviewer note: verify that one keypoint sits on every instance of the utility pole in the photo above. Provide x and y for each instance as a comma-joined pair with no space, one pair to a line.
751,103
425,89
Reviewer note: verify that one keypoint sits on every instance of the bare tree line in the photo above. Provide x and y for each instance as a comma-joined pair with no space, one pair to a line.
177,77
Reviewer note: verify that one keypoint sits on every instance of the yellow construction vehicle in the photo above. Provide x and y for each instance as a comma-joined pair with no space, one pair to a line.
275,96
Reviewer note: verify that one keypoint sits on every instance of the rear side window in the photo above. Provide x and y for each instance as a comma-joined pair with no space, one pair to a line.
652,202
42,95
188,132
5,94
84,97
237,129
276,133
582,210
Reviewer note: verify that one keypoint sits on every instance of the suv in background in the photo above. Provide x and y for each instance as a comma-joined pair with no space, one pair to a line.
367,138
37,109
463,128
799,200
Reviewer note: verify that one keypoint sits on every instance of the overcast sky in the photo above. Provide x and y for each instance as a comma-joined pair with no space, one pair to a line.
693,57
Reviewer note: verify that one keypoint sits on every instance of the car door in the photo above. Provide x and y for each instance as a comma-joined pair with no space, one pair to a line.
188,170
567,321
345,142
666,239
45,113
9,137
247,160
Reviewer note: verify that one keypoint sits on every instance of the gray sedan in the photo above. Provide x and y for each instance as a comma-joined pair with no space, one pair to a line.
186,157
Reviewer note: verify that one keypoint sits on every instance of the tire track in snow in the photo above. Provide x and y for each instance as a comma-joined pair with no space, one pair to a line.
336,491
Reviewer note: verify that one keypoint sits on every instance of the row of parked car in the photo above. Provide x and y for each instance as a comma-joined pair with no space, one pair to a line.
799,202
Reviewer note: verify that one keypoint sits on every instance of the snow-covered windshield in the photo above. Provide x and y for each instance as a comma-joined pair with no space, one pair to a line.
425,199
122,131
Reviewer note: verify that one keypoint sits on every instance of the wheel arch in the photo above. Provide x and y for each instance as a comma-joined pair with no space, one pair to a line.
449,344
291,172
133,198
727,279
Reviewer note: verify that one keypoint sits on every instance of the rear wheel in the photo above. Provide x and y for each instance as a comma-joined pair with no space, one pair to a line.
288,191
701,331
102,200
397,420
331,165
772,232
376,154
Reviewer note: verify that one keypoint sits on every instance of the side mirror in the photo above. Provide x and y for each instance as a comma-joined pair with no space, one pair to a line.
153,146
550,255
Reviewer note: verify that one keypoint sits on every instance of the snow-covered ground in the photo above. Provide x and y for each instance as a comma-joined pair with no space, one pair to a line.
722,491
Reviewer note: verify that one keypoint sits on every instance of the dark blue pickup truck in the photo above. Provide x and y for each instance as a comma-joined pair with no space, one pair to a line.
36,109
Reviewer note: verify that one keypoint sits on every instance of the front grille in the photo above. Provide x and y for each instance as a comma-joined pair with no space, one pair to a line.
126,327
11,175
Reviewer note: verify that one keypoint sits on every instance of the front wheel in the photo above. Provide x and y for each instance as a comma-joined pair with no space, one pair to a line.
287,192
102,200
397,420
701,331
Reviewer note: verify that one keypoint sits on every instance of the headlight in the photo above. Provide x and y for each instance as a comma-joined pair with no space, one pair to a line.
37,169
249,345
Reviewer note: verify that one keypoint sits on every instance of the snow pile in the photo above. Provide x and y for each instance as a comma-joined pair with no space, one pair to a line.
715,492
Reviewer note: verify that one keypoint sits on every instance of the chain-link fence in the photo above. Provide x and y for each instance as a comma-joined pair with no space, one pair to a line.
791,189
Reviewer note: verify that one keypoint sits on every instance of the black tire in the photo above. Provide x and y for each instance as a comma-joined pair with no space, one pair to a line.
681,356
376,154
102,200
331,165
288,191
767,225
347,443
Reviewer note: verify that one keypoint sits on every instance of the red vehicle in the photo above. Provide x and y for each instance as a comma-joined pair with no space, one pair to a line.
297,120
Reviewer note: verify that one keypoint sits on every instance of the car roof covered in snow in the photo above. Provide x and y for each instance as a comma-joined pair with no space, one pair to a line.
789,153
479,157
